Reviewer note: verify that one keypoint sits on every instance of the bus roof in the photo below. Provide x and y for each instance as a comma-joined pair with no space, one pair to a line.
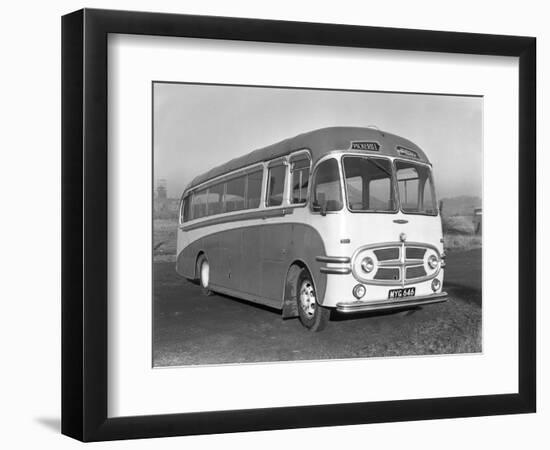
319,142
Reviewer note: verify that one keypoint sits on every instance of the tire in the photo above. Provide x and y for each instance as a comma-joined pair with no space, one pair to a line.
312,315
203,270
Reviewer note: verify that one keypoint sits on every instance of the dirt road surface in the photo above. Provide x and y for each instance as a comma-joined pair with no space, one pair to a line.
190,329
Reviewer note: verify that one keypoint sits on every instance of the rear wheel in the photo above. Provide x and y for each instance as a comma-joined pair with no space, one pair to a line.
204,275
312,315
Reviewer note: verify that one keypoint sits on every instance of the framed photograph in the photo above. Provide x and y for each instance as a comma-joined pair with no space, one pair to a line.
273,224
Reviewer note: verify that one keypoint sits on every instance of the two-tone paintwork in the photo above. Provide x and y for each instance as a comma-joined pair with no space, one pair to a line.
253,254
251,258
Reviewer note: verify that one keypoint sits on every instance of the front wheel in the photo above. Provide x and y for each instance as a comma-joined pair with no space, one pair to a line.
312,315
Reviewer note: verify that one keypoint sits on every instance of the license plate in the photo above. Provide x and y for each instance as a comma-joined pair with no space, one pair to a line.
401,293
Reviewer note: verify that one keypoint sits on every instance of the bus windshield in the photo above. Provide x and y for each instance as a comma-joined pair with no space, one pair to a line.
369,184
374,185
416,190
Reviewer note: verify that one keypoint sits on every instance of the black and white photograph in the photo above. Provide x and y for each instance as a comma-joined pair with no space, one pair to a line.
299,224
275,225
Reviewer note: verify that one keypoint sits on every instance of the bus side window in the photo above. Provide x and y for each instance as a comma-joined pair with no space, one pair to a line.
199,203
327,193
215,199
254,190
276,185
234,194
300,179
185,209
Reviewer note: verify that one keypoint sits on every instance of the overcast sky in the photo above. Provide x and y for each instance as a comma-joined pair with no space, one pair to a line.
197,127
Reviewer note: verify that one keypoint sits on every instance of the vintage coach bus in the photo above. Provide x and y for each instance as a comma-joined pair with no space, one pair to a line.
338,218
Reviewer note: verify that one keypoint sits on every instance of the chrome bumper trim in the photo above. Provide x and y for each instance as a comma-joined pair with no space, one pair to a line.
334,259
336,270
391,304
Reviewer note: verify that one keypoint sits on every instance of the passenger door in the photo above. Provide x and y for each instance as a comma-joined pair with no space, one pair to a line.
275,237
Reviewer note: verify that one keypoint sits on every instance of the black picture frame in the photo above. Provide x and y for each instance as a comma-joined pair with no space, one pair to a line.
84,224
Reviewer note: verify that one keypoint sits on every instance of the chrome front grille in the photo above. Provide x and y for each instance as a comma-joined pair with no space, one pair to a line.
387,254
396,263
415,272
415,252
388,273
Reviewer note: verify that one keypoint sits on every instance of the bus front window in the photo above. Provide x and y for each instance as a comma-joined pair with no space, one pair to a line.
416,190
369,184
327,195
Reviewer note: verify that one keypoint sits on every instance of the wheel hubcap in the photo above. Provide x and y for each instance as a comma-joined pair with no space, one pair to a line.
307,298
205,274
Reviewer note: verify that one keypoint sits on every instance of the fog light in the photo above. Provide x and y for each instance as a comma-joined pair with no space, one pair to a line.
436,284
359,291
367,264
433,261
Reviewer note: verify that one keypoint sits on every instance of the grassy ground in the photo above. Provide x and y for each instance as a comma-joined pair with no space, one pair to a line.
462,242
164,240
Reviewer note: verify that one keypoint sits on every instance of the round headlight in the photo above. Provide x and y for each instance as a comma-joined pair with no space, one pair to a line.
367,264
433,261
359,291
436,284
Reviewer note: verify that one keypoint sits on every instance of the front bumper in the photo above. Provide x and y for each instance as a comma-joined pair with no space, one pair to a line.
359,306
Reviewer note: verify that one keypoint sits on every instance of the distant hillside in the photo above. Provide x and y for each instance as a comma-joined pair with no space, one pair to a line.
460,206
